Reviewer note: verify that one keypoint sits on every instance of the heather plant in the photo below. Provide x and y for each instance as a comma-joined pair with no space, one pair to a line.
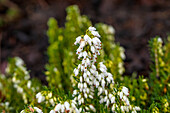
160,75
16,86
86,75
94,88
61,49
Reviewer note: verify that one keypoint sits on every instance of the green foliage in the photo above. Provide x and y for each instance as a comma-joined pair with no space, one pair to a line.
160,74
151,94
60,51
16,86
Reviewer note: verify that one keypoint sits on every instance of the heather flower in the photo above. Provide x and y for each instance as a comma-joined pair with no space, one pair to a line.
91,79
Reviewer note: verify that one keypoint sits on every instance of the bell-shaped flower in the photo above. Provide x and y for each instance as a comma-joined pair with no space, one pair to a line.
67,105
92,28
57,107
95,33
77,40
125,90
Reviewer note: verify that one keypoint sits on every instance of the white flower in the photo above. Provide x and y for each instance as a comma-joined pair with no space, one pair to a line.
107,103
76,72
96,41
102,65
92,28
77,40
81,79
19,62
93,67
113,99
78,51
29,84
105,98
19,89
126,108
125,98
100,90
23,111
87,108
95,33
85,85
159,40
67,105
38,110
52,102
103,83
121,95
62,108
110,96
122,109
40,97
82,44
101,101
92,108
27,76
73,105
111,30
57,107
113,107
134,112
80,109
85,95
84,54
106,92
125,91
92,49
85,75
82,100
80,55
6,104
91,96
88,90
74,92
79,96
52,111
127,102
97,84
137,108
82,68
87,39
50,94
88,61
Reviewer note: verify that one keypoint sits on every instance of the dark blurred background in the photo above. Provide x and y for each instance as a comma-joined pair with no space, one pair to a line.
23,25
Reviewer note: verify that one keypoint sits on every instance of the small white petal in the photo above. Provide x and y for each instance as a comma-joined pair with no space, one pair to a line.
57,107
92,28
52,111
67,105
95,33
38,110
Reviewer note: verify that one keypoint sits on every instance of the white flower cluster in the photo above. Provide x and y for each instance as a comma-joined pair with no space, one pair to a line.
45,96
40,97
61,108
6,105
17,80
87,72
33,110
91,79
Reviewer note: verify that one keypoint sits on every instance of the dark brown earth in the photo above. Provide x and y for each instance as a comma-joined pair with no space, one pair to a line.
135,22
